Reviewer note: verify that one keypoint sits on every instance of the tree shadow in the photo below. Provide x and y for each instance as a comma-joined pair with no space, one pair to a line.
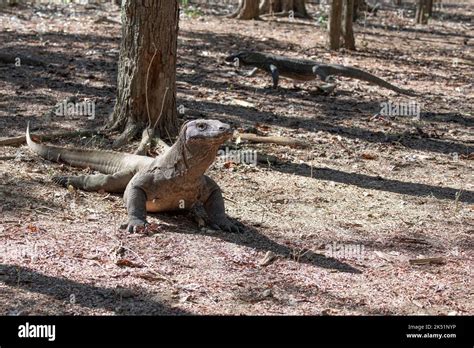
418,30
252,238
376,182
409,140
85,295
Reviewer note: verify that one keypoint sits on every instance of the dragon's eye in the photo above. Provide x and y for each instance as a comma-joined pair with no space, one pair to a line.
201,126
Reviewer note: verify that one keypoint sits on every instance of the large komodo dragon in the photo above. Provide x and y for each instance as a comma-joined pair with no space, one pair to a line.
171,181
305,70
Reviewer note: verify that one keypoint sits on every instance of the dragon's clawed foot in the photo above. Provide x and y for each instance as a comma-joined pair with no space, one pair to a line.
226,225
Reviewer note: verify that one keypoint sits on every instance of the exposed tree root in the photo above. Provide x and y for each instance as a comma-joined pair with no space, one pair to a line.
149,141
128,134
286,14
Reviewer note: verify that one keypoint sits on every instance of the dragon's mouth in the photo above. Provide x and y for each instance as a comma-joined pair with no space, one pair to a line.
217,137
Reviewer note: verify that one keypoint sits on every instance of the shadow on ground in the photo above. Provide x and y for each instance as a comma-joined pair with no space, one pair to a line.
86,295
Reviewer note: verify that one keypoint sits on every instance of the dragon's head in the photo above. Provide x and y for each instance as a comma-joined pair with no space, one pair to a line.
206,131
244,57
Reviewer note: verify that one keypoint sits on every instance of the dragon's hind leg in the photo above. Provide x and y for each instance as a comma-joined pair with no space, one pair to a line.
108,182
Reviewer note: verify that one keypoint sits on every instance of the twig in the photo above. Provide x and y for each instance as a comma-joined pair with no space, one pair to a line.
162,107
146,84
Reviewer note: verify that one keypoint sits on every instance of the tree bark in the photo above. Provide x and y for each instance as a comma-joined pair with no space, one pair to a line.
296,8
349,41
248,9
355,12
146,82
429,7
421,15
335,20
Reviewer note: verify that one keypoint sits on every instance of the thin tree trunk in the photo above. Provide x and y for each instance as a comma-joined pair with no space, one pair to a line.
421,15
335,20
355,12
146,82
248,9
349,41
429,7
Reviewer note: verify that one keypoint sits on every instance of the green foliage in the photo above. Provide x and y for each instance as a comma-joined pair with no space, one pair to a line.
322,19
190,10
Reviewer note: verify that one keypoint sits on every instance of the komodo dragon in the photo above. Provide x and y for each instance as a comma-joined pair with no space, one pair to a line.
174,180
305,70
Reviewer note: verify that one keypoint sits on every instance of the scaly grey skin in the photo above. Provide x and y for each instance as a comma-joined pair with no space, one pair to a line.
172,181
305,70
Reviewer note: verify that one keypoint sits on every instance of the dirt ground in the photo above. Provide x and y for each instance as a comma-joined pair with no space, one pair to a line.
343,217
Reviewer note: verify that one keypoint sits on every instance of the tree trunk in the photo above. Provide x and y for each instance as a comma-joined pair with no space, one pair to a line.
421,15
248,9
349,41
335,20
429,7
146,82
296,8
355,12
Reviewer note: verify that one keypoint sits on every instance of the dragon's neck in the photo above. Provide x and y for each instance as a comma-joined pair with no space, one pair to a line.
193,159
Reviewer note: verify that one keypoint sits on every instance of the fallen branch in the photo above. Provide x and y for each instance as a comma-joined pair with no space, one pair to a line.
19,140
428,261
271,139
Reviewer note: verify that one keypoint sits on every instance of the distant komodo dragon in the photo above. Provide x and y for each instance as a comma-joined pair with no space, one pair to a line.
172,181
305,70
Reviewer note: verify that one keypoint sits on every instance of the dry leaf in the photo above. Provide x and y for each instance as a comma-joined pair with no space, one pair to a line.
127,263
368,156
32,228
268,259
229,164
150,276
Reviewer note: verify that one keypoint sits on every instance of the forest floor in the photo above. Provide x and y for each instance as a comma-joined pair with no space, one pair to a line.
345,217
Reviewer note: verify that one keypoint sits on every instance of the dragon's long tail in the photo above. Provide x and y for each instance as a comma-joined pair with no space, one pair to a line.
348,71
107,162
